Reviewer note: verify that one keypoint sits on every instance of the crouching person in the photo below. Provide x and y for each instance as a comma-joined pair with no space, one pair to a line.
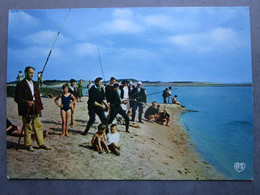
99,140
164,117
113,139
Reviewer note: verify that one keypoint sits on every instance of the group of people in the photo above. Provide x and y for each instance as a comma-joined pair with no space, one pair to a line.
103,99
124,99
153,114
167,93
27,96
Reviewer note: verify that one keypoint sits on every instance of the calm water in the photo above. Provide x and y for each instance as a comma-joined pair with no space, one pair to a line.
222,129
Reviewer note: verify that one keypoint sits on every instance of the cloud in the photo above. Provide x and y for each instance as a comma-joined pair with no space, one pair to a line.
44,38
20,19
158,20
120,26
222,34
206,41
122,13
83,49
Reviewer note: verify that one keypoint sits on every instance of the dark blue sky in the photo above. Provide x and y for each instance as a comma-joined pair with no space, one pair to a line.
158,44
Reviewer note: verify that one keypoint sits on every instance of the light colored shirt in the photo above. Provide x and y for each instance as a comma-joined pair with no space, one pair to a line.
90,85
31,87
113,138
125,92
72,88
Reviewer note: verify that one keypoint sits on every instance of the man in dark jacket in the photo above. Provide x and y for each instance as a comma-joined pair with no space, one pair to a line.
115,107
96,105
110,88
152,112
73,91
29,102
139,99
165,95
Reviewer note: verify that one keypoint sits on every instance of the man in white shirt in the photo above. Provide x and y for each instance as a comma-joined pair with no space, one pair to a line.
27,96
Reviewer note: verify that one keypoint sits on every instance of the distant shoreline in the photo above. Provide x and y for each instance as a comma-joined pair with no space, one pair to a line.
58,83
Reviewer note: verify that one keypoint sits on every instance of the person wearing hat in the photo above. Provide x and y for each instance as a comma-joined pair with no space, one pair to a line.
97,105
124,94
109,88
139,99
131,88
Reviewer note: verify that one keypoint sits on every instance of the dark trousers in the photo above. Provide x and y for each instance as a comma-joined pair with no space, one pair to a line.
140,109
92,117
118,110
164,100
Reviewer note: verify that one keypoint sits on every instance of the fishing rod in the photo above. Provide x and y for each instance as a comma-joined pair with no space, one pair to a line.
100,63
147,94
55,41
140,96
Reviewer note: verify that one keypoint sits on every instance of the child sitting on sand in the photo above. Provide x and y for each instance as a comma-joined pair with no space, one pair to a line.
113,139
99,140
164,117
65,107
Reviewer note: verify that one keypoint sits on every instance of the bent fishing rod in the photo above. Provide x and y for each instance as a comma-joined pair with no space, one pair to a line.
55,41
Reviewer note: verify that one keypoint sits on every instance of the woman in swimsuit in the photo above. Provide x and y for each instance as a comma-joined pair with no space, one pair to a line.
65,107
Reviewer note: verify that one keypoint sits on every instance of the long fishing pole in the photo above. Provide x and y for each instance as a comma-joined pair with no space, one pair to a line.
100,63
140,96
55,42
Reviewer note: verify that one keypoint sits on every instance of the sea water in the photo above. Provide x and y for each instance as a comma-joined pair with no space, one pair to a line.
222,129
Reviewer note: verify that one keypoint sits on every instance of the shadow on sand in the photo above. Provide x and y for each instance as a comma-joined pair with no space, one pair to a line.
51,122
88,147
60,130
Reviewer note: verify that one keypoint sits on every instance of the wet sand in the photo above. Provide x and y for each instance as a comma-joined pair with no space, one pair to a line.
151,152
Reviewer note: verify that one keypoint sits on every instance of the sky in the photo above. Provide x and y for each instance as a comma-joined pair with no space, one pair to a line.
200,44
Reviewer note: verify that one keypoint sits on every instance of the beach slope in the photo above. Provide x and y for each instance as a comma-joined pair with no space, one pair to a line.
151,152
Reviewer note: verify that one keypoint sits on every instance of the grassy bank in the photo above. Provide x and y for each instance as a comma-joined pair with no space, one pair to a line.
10,90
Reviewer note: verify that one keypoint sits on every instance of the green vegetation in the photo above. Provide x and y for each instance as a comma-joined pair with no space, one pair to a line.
44,91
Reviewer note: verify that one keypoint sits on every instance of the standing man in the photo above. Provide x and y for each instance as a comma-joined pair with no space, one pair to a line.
169,95
165,95
29,102
131,88
110,88
73,91
97,105
90,84
19,76
139,99
115,107
40,81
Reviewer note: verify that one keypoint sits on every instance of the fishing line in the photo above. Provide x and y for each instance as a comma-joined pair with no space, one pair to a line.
101,64
55,41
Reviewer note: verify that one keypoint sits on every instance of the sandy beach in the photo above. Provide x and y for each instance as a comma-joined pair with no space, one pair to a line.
151,152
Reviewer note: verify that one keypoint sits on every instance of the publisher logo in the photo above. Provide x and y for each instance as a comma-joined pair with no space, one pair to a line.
239,167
